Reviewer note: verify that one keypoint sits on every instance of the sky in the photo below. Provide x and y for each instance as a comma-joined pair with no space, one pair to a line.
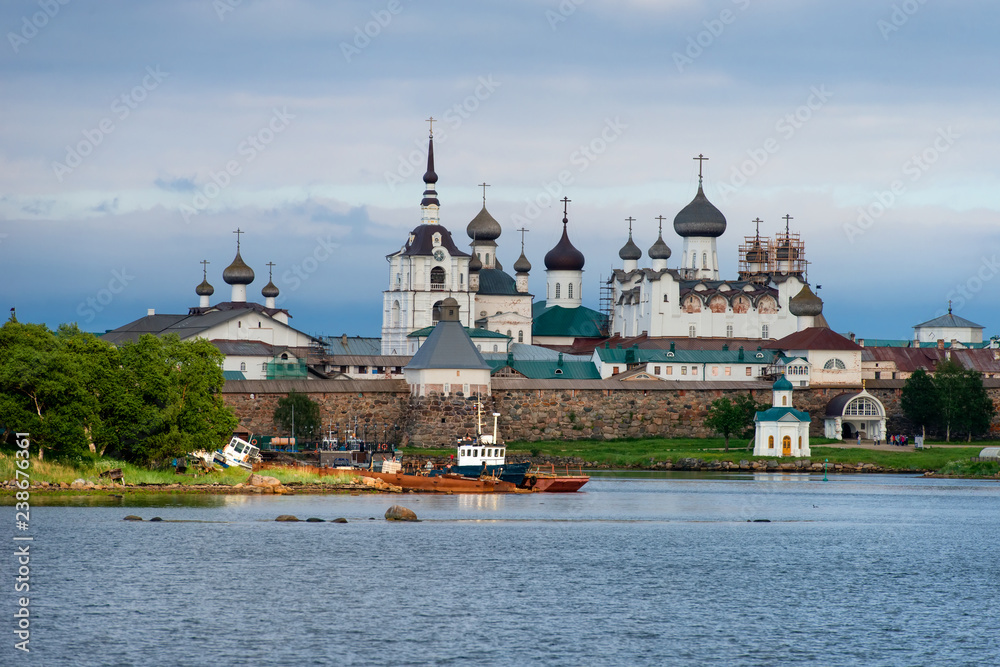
136,137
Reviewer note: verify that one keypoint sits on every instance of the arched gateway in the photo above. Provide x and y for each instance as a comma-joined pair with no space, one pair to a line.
854,413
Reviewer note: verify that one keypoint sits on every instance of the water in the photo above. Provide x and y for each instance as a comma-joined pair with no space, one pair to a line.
640,570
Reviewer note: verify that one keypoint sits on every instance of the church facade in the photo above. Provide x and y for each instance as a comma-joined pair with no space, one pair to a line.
770,297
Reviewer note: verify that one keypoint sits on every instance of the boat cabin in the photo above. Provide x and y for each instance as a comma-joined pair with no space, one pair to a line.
479,452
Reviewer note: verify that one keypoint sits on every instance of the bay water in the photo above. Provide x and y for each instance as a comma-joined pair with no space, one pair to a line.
637,569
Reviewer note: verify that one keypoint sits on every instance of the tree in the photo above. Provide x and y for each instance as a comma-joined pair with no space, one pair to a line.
727,417
298,414
919,401
978,412
951,391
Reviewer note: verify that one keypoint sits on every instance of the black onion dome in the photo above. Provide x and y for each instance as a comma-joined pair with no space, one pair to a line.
238,273
630,250
270,289
786,252
204,289
522,265
484,227
756,254
700,218
475,264
659,250
805,303
564,257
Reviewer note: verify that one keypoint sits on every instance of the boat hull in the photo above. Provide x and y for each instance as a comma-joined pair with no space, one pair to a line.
558,484
507,472
442,483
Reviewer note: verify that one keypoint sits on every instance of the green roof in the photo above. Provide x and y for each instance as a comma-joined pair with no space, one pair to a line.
637,355
233,375
496,282
775,414
782,384
580,322
473,333
549,370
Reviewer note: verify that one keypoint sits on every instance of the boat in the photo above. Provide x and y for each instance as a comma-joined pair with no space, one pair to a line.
442,483
238,453
485,456
549,481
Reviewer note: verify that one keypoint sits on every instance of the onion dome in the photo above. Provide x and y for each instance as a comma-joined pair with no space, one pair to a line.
700,217
204,289
238,273
659,250
782,384
756,254
483,227
565,256
805,303
786,252
522,265
475,264
630,250
270,290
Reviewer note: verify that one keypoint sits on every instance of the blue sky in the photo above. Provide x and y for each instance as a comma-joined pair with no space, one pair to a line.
136,136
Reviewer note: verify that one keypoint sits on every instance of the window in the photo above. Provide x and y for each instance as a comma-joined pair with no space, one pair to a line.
447,388
437,278
692,332
263,367
763,331
395,313
729,331
494,348
487,259
784,400
835,364
729,371
862,407
670,370
684,370
664,298
569,291
557,290
704,260
520,336
694,260
243,365
656,370
694,370
715,371
749,372
614,370
509,334
770,442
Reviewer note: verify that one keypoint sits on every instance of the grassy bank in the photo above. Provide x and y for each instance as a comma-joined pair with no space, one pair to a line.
56,472
642,452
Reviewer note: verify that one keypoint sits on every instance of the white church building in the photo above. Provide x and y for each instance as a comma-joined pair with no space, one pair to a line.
781,430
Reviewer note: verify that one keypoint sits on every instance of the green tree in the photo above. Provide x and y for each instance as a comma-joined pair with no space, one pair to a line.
978,409
920,402
727,417
43,390
301,411
951,391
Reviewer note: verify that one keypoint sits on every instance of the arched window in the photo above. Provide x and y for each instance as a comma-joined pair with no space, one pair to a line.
835,365
520,335
243,365
569,291
862,407
436,312
763,331
704,260
784,401
557,290
694,260
770,442
495,348
509,335
487,259
437,278
395,313
284,356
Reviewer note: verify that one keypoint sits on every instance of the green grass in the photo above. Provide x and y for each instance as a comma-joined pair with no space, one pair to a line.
62,472
971,469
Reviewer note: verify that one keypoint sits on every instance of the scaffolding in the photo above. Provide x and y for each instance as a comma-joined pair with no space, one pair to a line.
606,301
788,255
755,259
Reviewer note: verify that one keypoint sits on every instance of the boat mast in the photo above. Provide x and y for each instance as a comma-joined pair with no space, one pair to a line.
495,439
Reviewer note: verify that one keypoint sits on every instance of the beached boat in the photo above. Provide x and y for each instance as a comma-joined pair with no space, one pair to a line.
442,483
238,453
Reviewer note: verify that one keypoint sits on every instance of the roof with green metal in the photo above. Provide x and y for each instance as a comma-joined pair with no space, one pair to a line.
496,282
473,333
548,370
776,414
782,384
580,322
628,355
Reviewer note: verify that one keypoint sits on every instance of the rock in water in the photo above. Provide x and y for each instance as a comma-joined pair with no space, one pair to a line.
340,520
314,519
400,513
132,517
287,517
156,518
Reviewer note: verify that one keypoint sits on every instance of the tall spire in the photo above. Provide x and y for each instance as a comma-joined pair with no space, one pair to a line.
430,203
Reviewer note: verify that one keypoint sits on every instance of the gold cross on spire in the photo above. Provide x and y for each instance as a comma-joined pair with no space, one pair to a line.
431,121
484,185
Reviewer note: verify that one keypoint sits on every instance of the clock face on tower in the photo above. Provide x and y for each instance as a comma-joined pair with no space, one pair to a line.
439,255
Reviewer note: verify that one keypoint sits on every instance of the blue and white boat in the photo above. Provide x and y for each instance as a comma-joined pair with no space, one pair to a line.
486,456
